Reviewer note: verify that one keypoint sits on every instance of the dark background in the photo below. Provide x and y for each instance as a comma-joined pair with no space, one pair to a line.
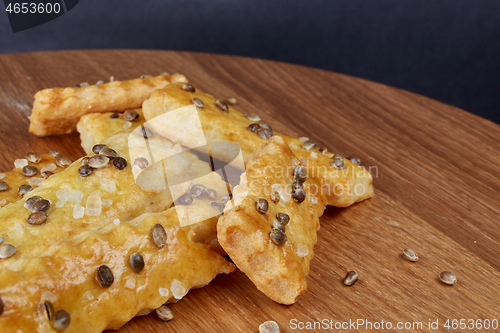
445,49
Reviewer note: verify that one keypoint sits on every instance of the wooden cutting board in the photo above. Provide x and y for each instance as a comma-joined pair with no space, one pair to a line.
436,174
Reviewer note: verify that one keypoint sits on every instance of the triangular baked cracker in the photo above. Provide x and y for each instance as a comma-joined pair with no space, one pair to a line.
15,178
66,276
57,110
115,191
278,270
344,183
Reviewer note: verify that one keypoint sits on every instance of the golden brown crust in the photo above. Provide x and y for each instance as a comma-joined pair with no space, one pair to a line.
57,261
66,276
278,271
57,110
15,178
343,187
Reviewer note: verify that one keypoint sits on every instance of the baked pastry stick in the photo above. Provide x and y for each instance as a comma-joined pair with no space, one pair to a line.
101,279
173,114
11,191
96,127
57,110
108,194
271,230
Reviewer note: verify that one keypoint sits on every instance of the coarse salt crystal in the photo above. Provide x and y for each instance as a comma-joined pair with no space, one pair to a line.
163,292
314,155
303,161
130,284
78,211
303,139
128,124
111,78
88,295
302,250
136,169
116,221
93,207
106,202
60,203
109,185
177,289
70,195
293,145
314,199
2,175
84,84
35,181
49,167
20,163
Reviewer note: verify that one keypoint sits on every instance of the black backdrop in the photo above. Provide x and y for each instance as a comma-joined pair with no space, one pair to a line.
445,49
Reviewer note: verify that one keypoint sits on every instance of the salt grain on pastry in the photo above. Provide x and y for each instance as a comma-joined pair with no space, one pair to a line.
163,292
178,291
78,211
20,163
93,207
302,250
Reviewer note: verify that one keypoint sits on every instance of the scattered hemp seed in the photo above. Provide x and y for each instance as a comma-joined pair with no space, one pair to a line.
269,327
277,236
231,100
159,235
164,313
264,133
105,276
137,262
62,319
300,173
4,186
262,206
37,218
85,171
130,115
252,117
188,87
7,251
351,278
338,163
97,148
63,161
253,127
108,152
141,162
222,105
30,171
354,160
198,103
33,158
448,278
410,255
120,163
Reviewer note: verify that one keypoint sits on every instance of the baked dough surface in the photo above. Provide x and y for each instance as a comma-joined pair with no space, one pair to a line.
15,178
173,105
57,110
278,271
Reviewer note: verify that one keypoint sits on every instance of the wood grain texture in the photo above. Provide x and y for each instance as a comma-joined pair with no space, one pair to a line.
437,183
